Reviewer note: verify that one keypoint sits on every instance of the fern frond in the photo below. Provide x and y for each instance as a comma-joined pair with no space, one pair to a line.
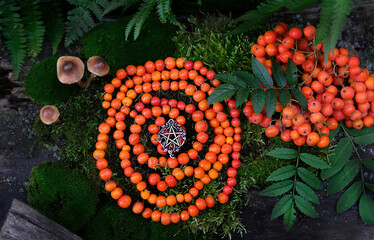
54,23
341,9
112,5
323,28
14,34
139,18
79,22
161,11
299,5
170,15
252,18
34,27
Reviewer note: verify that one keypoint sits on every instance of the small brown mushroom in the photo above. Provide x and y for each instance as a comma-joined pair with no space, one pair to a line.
49,114
97,67
70,70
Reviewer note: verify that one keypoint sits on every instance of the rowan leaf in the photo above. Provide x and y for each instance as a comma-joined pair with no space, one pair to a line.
278,74
231,79
284,96
368,163
281,206
306,192
365,139
248,78
349,197
309,178
270,101
344,177
313,161
241,96
366,208
291,74
339,157
282,173
277,189
261,73
283,153
289,216
221,93
299,96
305,206
258,100
358,132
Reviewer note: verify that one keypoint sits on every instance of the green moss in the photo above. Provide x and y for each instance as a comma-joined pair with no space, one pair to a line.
43,86
108,41
62,194
112,223
207,40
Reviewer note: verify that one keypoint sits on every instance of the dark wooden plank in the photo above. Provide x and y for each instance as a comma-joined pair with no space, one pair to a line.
24,222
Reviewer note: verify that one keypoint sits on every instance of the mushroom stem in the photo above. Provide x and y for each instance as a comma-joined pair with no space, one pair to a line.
81,84
90,79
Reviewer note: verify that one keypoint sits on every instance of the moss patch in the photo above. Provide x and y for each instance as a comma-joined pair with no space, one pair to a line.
108,41
62,194
43,86
112,223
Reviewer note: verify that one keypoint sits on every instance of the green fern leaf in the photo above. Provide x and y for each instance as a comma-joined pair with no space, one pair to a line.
14,34
161,11
299,5
142,15
79,22
341,9
54,23
252,18
130,26
323,28
34,27
111,5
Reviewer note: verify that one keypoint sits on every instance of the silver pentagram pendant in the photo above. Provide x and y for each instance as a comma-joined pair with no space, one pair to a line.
171,137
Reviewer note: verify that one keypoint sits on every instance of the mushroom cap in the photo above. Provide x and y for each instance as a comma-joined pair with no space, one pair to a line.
97,65
70,69
49,114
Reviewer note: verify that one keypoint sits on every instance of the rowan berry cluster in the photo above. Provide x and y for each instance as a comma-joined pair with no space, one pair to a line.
140,84
337,89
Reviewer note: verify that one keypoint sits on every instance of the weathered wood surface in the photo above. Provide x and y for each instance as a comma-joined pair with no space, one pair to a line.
24,222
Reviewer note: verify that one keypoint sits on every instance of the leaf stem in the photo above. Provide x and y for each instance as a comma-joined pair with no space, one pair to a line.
358,156
297,165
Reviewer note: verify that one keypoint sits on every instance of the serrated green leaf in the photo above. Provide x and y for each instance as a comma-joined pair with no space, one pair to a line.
231,79
261,73
309,178
258,100
334,132
270,101
291,74
305,206
248,78
299,96
221,93
281,206
344,177
365,139
368,163
278,74
54,23
339,157
339,13
283,153
323,28
277,189
370,186
289,216
306,192
282,173
349,197
358,132
284,96
242,96
299,5
366,208
313,161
